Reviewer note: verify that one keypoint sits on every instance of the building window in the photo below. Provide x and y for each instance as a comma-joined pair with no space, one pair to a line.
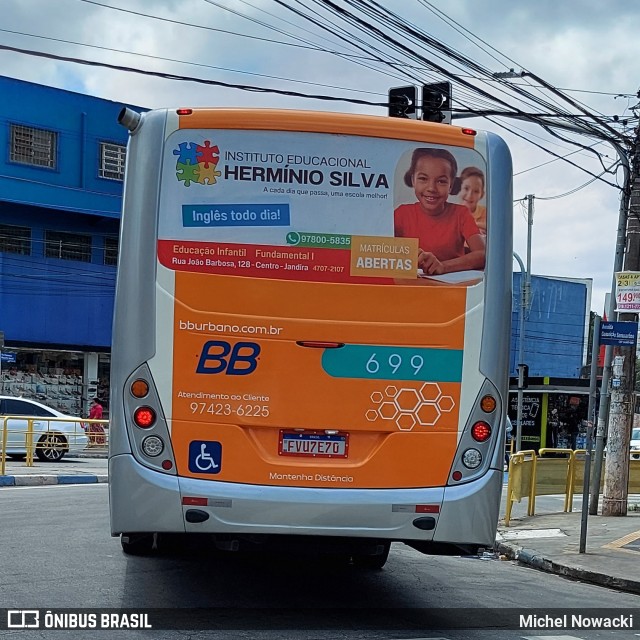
33,146
67,246
111,251
112,157
15,239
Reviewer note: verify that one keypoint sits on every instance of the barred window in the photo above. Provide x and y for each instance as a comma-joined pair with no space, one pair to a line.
33,146
112,157
67,246
15,239
111,251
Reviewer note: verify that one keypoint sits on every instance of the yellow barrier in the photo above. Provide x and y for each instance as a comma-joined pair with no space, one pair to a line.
578,474
520,483
35,439
531,476
634,476
555,475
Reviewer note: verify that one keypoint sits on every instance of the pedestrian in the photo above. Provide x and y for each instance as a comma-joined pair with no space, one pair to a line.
554,424
507,450
95,430
573,427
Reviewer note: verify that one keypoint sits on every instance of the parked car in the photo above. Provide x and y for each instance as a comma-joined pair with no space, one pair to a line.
54,433
635,443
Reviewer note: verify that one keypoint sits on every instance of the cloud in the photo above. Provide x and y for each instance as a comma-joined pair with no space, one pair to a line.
593,46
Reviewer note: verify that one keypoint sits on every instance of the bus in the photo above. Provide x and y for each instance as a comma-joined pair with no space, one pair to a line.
295,360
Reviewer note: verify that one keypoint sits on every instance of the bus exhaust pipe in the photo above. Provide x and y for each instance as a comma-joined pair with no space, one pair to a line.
129,118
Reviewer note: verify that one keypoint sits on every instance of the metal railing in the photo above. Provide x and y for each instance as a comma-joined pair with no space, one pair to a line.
552,472
28,438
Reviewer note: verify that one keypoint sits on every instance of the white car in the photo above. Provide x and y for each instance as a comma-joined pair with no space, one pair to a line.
635,443
54,433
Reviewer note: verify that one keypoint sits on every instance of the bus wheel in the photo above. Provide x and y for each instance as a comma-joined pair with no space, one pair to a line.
139,544
376,561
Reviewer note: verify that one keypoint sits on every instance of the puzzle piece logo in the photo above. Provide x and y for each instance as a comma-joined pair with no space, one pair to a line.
197,163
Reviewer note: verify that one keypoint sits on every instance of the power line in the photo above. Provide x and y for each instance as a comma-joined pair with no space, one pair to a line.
187,62
172,76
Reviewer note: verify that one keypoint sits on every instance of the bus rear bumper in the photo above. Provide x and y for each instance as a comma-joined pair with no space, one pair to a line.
145,500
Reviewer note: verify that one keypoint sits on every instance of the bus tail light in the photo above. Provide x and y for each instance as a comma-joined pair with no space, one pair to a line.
147,427
144,417
488,404
472,458
479,448
139,388
152,446
481,431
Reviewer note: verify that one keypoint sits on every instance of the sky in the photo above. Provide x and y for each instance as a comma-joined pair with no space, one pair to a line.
587,48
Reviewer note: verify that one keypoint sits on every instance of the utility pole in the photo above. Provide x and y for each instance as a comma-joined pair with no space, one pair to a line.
616,473
605,391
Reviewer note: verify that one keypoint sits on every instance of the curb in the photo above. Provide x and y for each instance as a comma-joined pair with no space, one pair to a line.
533,559
98,453
42,480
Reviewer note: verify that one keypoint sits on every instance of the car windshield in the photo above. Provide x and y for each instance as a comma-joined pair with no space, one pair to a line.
635,434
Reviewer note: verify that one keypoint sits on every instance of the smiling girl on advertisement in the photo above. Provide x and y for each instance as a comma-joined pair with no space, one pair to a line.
442,227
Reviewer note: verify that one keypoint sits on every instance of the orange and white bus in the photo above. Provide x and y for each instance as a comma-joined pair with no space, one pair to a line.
311,332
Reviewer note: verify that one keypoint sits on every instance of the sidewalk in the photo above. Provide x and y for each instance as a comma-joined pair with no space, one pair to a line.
549,540
84,467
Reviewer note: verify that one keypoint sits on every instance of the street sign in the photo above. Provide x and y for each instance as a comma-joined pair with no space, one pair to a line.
7,357
628,291
619,334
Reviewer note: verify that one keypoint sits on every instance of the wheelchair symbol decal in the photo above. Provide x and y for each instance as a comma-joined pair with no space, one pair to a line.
205,457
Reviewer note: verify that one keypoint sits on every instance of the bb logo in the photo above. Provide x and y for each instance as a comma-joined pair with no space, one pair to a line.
218,356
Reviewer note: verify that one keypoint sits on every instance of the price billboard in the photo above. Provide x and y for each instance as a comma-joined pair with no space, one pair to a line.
628,291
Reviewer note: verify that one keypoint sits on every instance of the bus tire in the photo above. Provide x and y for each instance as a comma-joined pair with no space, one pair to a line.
372,562
139,544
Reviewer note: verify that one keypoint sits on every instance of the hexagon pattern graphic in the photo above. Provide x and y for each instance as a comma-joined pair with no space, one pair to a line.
408,407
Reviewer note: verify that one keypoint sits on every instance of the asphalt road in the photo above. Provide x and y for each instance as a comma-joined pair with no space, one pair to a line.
58,553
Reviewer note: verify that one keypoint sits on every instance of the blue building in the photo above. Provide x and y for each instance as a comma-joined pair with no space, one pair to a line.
555,343
61,179
556,326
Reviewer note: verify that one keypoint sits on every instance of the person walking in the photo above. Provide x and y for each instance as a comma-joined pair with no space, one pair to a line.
95,430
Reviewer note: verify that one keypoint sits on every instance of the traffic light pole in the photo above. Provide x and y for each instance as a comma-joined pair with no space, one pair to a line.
523,306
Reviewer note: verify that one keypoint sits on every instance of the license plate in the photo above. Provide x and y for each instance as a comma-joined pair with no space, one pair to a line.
313,445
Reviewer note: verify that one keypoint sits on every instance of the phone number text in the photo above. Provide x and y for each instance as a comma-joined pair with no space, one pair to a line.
228,409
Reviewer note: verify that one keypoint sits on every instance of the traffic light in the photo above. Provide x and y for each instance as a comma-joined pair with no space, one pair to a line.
436,102
402,102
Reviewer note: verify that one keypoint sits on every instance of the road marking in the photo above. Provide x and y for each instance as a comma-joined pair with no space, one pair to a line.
620,543
532,533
